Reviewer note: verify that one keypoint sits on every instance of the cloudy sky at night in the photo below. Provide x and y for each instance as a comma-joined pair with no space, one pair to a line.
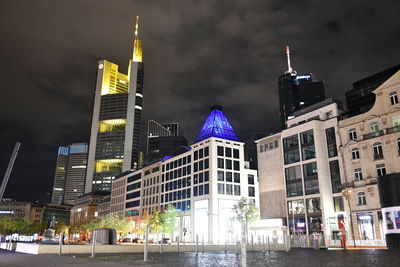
196,54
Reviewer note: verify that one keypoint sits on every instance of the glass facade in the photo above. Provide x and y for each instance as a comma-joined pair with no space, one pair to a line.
335,176
294,185
291,149
307,145
310,178
331,142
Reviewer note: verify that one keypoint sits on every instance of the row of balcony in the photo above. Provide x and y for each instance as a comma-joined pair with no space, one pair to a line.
390,130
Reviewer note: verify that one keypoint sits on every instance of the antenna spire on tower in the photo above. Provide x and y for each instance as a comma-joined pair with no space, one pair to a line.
137,44
290,70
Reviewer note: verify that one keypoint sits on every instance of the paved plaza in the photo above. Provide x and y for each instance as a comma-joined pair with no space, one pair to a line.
296,257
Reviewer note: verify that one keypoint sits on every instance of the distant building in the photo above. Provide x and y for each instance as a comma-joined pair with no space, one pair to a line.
300,172
116,121
104,206
361,98
202,181
370,150
16,209
69,178
86,208
163,139
297,91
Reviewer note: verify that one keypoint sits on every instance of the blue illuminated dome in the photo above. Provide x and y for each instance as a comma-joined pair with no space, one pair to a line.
217,125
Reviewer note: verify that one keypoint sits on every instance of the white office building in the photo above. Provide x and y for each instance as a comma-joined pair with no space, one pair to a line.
202,181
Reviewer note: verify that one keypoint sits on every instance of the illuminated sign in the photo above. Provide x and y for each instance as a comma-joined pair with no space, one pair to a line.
302,77
6,212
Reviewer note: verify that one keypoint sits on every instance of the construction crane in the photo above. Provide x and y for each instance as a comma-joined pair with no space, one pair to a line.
9,169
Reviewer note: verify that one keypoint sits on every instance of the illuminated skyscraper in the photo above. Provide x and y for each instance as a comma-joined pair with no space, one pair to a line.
297,91
117,114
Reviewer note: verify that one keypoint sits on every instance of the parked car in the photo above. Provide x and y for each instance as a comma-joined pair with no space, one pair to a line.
127,240
137,240
165,241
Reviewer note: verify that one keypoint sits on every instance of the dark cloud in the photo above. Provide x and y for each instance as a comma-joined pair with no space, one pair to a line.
197,53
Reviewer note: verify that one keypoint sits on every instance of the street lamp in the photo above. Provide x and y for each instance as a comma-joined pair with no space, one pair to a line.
346,193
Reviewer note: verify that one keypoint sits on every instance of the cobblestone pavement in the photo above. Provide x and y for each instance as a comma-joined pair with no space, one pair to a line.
296,257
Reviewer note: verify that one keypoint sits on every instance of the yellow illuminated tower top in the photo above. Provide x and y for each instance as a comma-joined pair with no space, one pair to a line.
137,45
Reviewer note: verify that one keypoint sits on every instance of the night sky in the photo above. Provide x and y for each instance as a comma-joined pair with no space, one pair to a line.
196,54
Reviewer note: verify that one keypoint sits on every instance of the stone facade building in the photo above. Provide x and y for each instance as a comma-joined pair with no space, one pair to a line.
370,149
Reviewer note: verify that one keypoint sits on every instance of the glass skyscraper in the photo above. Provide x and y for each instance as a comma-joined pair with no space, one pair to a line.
116,120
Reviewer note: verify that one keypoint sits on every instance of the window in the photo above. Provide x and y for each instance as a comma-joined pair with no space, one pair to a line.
228,164
313,205
220,176
335,176
221,189
229,177
236,153
373,127
228,152
196,155
291,149
229,190
361,198
250,179
393,98
380,169
396,121
206,151
358,174
294,185
220,163
252,191
338,204
331,142
236,177
378,152
352,134
398,144
236,166
296,207
311,178
307,145
355,153
236,190
220,151
206,189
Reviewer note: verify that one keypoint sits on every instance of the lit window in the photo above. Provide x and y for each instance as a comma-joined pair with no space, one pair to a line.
396,121
393,98
380,169
373,127
355,153
352,134
378,152
361,199
358,174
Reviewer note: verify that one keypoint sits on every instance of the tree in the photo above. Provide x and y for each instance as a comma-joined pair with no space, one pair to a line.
8,225
25,227
246,212
168,220
61,227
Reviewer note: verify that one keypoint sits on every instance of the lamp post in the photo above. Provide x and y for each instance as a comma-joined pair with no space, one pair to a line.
346,193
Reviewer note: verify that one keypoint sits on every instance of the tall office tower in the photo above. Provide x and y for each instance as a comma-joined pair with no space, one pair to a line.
360,99
69,178
117,114
163,139
297,91
59,176
76,172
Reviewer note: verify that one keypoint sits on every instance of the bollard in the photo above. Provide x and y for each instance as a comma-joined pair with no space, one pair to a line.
225,247
237,246
263,244
178,243
269,245
202,241
161,243
146,242
94,236
60,243
197,244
